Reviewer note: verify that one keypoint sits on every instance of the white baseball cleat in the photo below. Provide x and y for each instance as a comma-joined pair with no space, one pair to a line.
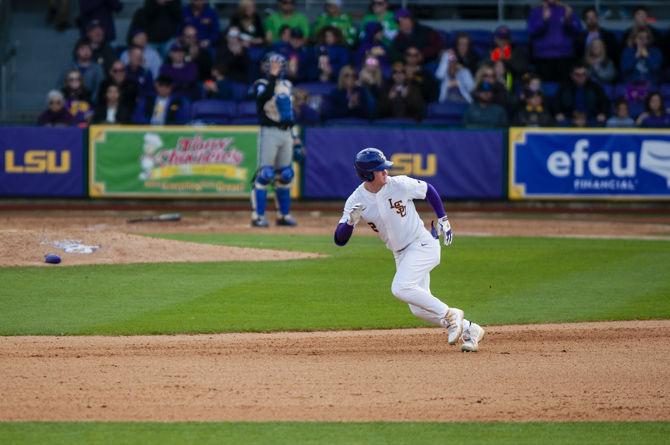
453,322
471,338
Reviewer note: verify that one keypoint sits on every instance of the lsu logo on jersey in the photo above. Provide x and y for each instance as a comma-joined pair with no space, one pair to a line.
414,164
38,161
399,208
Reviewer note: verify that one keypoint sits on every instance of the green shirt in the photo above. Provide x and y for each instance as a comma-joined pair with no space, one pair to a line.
275,21
342,22
388,23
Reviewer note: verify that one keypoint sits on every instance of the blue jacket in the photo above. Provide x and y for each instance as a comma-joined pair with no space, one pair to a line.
641,69
553,38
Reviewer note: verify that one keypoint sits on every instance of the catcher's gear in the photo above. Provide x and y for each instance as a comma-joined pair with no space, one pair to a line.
444,227
298,153
285,175
355,214
370,160
273,57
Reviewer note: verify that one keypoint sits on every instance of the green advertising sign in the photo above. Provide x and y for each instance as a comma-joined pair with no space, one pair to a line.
180,161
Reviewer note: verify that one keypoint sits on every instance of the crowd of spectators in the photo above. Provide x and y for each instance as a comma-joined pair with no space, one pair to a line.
388,66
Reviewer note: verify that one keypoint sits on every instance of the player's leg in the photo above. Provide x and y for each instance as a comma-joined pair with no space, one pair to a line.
267,151
284,179
412,266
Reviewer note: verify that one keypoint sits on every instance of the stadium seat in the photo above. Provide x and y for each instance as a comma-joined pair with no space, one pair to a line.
249,120
246,109
609,90
449,112
635,108
549,89
347,121
665,91
240,91
213,111
394,121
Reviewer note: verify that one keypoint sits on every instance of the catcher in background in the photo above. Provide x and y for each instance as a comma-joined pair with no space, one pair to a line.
386,203
277,142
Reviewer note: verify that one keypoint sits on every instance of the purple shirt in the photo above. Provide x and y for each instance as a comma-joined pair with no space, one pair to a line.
207,23
184,79
552,38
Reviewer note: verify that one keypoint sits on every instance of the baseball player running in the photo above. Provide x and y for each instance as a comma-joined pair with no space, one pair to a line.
386,203
276,142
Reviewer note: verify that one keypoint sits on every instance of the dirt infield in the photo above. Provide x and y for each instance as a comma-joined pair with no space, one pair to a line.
592,371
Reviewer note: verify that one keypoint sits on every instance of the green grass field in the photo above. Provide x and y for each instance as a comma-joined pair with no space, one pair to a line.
496,280
291,433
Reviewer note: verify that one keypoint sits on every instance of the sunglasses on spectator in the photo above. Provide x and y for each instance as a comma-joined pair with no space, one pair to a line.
55,102
398,72
117,70
412,54
378,3
72,79
349,75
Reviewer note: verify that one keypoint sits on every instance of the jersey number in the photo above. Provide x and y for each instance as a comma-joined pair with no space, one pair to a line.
373,227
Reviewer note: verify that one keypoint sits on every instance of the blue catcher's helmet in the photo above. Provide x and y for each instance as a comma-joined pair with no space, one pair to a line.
273,57
370,160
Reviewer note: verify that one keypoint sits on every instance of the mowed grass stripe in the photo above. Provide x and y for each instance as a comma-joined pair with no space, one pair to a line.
334,433
496,280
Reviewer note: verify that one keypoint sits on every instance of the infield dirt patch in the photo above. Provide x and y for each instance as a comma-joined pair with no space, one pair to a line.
591,371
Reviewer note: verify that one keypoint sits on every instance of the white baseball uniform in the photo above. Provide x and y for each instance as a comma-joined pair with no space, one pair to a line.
391,213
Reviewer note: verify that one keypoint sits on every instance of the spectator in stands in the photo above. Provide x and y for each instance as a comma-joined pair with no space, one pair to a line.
499,92
101,11
593,32
286,15
330,41
128,88
184,74
151,59
552,27
83,62
465,54
419,75
283,44
200,15
111,110
163,109
401,99
139,74
196,52
103,53
655,114
161,19
248,21
483,113
218,86
600,66
333,16
581,94
303,113
370,77
456,80
348,99
412,33
641,21
579,119
233,55
56,115
534,113
514,57
622,118
641,62
77,97
300,58
372,45
379,12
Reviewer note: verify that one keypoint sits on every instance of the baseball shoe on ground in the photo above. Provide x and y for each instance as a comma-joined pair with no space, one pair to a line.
286,220
453,322
260,222
471,338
